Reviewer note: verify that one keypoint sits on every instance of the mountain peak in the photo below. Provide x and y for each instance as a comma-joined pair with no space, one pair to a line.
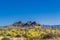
29,23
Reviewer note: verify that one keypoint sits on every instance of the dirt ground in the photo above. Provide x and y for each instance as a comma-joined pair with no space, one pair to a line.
28,39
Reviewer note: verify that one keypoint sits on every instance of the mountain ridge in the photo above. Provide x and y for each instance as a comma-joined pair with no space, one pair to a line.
31,24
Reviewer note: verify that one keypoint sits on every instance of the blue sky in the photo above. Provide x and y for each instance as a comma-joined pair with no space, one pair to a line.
42,11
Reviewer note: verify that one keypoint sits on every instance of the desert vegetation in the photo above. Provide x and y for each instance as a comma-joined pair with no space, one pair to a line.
30,31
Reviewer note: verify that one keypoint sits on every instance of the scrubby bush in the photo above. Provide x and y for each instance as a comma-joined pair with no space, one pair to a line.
5,38
18,36
47,36
32,33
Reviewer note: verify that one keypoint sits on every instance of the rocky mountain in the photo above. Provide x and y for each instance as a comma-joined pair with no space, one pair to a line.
31,24
27,24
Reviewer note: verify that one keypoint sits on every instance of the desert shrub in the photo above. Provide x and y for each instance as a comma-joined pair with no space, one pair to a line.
8,35
38,27
32,33
5,38
47,36
18,36
48,30
11,33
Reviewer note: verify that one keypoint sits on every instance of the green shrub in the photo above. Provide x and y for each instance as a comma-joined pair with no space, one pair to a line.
32,33
5,38
18,36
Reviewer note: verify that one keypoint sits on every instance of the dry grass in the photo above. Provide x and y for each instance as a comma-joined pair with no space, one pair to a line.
22,38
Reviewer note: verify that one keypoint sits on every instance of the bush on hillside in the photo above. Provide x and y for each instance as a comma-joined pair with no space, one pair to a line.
5,38
32,33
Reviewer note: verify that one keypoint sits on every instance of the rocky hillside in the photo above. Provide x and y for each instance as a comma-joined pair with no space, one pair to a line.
29,23
24,24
